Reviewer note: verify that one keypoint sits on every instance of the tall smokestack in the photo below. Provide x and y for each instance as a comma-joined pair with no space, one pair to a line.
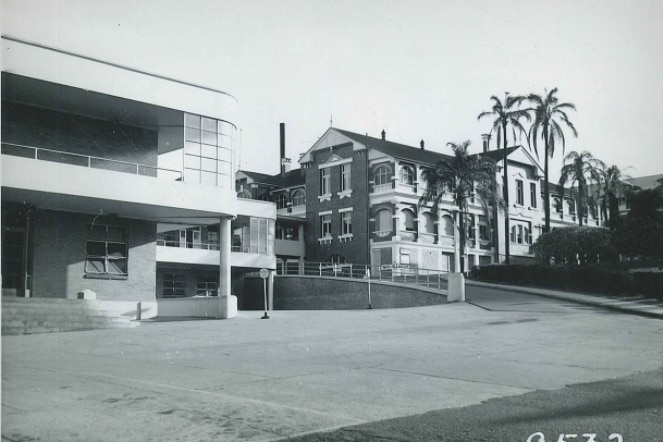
485,138
284,163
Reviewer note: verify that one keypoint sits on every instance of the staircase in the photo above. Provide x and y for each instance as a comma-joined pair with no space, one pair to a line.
22,316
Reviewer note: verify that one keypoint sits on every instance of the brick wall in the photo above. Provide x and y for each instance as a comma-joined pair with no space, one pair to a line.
36,127
314,293
355,250
59,252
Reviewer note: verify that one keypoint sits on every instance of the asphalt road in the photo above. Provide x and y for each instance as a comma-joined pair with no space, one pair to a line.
629,409
500,362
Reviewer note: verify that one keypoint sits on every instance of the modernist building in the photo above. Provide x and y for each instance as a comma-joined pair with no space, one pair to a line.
121,183
360,198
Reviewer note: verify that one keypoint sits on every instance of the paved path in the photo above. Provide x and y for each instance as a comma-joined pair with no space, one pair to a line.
302,372
637,305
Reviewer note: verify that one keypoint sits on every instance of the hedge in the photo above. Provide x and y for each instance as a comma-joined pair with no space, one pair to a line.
592,278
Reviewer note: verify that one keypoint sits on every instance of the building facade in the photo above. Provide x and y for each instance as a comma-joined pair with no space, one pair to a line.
120,183
362,206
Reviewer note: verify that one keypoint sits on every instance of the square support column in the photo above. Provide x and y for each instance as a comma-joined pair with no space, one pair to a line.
227,302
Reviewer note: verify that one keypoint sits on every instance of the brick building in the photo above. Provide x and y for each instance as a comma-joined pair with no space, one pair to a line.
360,205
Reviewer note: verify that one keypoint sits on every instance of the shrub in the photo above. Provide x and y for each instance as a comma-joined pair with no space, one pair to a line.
575,246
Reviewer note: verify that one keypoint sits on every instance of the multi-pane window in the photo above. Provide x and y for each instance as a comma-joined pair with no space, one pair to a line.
254,236
107,250
533,195
382,175
345,177
298,198
520,193
521,233
208,151
406,175
325,226
470,227
325,181
174,285
281,200
346,223
207,286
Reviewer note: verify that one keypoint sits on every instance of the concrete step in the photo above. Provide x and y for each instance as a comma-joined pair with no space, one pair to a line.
46,315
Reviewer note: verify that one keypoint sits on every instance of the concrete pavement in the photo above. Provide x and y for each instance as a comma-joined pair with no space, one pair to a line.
306,371
636,305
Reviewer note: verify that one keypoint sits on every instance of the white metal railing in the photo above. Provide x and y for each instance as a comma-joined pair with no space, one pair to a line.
188,245
75,159
401,273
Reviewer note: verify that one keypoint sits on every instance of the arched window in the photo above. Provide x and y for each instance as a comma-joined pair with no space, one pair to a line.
428,226
383,223
299,197
447,226
557,203
406,175
281,200
408,220
382,175
571,206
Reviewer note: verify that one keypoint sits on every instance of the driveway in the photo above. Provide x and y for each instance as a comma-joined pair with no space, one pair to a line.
306,371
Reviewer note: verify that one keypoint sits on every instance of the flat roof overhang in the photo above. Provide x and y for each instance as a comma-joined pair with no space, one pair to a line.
57,186
68,77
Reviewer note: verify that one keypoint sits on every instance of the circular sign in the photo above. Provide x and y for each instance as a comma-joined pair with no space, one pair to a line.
264,273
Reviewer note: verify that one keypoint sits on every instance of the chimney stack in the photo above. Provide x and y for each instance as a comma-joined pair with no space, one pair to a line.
421,144
384,135
486,141
284,163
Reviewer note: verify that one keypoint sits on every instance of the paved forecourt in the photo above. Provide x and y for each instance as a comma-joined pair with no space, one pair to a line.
306,371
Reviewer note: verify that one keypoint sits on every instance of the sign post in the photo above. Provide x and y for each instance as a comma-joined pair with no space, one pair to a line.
368,276
264,274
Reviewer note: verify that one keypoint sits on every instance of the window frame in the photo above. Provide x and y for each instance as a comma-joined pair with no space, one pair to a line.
325,181
533,195
346,223
325,226
406,175
382,172
520,193
346,177
108,255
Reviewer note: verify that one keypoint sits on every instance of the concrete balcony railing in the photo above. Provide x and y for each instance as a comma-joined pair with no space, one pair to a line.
86,183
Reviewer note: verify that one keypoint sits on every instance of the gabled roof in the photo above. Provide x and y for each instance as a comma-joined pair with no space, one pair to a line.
396,150
289,179
498,155
645,182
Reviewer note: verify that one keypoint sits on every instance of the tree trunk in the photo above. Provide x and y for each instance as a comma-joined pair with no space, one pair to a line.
506,201
546,189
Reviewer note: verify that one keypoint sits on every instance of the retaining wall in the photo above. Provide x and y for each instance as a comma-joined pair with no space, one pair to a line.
294,292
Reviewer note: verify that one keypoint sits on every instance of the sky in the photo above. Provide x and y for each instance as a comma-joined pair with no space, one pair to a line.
417,69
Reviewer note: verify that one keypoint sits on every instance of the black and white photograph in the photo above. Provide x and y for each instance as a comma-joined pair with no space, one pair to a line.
325,221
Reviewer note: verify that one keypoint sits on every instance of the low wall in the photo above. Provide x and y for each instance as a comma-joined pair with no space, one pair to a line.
198,307
294,292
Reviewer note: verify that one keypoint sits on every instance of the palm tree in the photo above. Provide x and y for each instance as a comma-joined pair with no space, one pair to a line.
581,170
548,114
461,176
614,184
506,115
